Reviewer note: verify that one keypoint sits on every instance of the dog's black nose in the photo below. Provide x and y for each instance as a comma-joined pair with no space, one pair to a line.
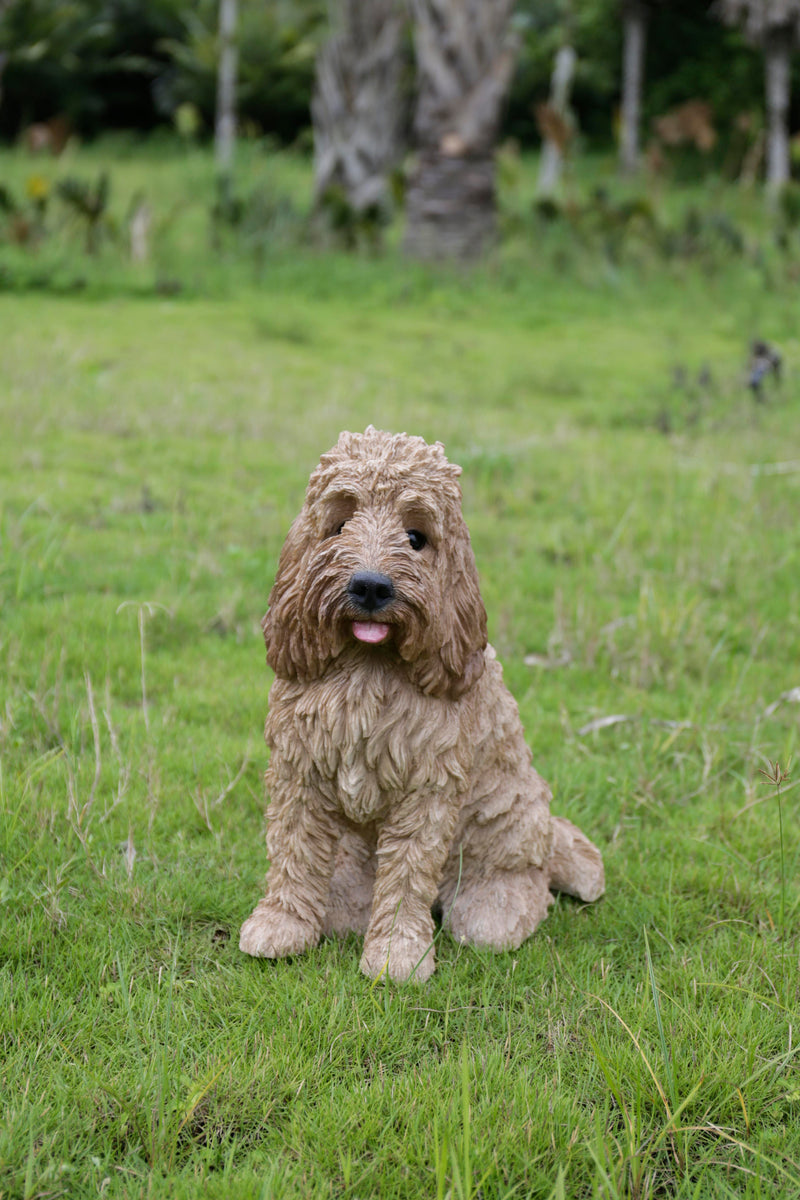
370,590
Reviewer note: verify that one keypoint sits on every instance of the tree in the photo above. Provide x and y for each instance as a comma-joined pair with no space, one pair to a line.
634,20
277,47
555,122
772,24
225,125
465,57
356,107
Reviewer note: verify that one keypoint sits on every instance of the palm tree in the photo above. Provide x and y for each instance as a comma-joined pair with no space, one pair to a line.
225,124
772,24
356,106
634,21
465,58
556,123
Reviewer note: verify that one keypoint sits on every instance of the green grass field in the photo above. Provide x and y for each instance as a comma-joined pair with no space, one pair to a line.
636,532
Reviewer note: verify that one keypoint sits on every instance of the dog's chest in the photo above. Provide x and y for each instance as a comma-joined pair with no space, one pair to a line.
374,739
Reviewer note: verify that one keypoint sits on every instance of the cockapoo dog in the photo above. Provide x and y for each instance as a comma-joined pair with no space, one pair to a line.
399,779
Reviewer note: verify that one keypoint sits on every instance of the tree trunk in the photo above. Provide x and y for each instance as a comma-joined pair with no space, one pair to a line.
451,207
635,41
555,144
465,58
356,105
777,61
225,127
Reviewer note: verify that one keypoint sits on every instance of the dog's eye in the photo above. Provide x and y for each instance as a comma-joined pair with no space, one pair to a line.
417,539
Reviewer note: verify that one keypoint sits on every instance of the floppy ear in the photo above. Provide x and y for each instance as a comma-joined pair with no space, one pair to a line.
294,644
454,657
464,625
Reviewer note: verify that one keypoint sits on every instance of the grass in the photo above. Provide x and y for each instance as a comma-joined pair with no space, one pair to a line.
636,543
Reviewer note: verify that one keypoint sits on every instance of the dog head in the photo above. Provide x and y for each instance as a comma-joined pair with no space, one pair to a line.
379,561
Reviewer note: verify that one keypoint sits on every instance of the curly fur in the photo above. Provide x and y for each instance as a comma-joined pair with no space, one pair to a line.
399,777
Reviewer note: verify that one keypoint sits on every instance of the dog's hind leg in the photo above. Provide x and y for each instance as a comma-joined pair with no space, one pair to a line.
495,888
497,911
486,906
352,885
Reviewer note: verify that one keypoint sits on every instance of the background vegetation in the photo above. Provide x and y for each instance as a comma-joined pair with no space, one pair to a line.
122,64
634,515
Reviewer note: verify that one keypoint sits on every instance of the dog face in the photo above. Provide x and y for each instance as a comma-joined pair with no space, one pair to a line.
379,562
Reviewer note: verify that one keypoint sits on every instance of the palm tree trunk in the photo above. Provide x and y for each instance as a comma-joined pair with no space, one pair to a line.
356,105
553,150
225,126
777,62
451,206
465,58
635,42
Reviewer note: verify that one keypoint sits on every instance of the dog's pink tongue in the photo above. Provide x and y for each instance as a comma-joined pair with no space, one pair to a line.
370,631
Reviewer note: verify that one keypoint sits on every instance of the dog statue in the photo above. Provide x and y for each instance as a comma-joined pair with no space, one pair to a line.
399,778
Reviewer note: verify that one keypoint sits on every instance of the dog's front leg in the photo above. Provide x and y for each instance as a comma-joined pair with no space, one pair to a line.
411,853
302,835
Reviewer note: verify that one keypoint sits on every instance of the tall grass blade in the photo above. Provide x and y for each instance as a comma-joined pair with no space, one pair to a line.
660,1023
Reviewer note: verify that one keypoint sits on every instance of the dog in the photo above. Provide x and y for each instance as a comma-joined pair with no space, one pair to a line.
399,779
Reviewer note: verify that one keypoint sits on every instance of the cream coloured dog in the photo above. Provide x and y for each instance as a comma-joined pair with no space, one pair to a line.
399,778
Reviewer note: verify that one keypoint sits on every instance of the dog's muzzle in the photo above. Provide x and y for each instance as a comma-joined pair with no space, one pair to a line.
369,592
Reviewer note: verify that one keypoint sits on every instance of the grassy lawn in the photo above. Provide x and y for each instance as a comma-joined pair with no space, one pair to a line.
635,521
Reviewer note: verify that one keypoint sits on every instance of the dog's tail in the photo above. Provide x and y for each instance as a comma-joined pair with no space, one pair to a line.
575,865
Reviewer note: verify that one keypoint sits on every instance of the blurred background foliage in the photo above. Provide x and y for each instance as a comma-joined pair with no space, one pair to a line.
690,54
122,64
127,65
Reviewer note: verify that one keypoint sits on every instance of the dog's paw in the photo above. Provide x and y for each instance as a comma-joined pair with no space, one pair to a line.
272,932
399,958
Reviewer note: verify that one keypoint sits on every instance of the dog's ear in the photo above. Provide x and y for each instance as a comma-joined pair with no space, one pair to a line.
454,655
464,627
294,646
